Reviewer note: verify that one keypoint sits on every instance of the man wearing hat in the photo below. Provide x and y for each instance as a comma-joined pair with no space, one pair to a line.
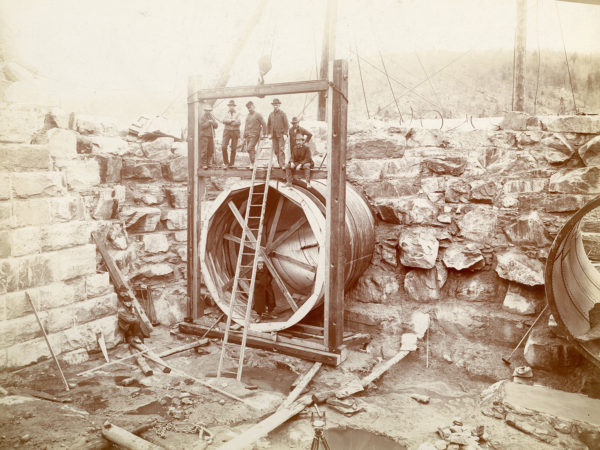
277,127
297,129
206,136
300,158
231,134
254,128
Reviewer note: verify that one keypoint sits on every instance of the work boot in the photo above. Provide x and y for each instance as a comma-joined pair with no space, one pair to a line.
288,176
307,176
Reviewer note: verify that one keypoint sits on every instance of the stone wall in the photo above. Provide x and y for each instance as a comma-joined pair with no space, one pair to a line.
466,220
45,246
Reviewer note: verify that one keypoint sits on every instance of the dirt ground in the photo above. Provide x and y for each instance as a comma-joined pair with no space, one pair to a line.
176,407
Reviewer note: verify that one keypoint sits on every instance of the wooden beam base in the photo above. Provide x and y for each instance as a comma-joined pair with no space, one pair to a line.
288,348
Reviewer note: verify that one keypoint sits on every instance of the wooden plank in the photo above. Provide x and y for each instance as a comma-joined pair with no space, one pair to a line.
125,439
192,144
262,90
286,234
198,309
327,54
295,261
119,282
275,221
309,354
336,208
306,378
357,339
244,173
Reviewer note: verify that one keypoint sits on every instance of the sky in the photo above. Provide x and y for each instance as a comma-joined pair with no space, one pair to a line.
152,45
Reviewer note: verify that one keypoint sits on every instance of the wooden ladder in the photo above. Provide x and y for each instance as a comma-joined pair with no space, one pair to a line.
252,231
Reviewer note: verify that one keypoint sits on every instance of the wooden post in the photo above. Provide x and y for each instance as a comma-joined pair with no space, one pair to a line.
520,49
327,53
336,207
193,201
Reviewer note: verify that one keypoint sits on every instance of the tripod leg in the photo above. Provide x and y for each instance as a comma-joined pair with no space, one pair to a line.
315,443
325,444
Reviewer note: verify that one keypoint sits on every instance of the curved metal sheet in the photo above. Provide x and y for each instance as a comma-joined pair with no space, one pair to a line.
298,259
573,283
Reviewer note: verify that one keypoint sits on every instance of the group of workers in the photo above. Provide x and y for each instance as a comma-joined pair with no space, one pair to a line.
292,157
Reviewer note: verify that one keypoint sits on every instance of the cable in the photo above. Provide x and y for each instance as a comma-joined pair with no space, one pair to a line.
566,58
391,87
361,80
428,78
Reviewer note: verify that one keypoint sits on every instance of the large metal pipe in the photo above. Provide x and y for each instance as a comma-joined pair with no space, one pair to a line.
573,281
297,259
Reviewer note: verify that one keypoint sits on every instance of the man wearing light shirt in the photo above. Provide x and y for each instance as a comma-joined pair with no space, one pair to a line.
231,134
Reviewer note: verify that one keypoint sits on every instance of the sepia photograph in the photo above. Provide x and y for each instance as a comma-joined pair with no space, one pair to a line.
318,224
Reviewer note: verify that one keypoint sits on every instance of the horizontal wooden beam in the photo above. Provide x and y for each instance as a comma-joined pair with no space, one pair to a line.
260,90
276,173
306,353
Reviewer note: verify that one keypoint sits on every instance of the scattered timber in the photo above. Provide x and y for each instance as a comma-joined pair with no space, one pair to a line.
62,375
121,283
284,414
183,348
149,354
301,385
125,439
139,359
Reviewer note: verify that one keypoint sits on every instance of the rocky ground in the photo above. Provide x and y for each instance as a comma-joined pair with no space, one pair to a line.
423,402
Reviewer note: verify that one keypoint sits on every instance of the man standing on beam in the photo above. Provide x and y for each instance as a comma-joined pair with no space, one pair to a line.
277,127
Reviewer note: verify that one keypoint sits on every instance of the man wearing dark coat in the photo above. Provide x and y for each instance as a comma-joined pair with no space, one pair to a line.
231,134
264,297
277,127
296,129
206,137
300,158
254,129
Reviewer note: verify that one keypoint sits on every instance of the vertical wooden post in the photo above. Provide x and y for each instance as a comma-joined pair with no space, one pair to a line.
335,229
520,49
327,53
192,213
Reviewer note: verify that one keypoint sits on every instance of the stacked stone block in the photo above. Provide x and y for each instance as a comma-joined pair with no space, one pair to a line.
45,251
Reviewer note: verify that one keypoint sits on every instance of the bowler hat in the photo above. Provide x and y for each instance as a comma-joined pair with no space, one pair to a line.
276,102
295,120
231,103
250,103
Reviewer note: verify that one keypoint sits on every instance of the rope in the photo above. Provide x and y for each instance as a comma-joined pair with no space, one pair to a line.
361,80
539,59
390,83
566,58
335,88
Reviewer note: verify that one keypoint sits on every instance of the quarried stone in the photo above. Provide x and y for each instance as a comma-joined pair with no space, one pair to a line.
590,152
155,243
141,170
527,229
375,286
555,149
406,210
117,235
62,144
424,285
63,235
29,184
155,270
175,219
82,174
585,180
479,224
361,147
515,120
140,218
574,124
419,248
483,191
461,256
110,168
149,194
545,351
177,197
98,284
525,185
516,266
457,190
87,124
521,300
24,157
159,148
109,145
447,165
109,200
177,169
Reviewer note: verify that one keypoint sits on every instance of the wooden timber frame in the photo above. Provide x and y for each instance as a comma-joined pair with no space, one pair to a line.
336,90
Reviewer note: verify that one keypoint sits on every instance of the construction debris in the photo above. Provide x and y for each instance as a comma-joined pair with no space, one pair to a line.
125,439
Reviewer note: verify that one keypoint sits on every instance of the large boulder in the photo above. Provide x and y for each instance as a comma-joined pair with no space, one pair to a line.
522,300
527,229
447,165
410,210
424,285
555,149
590,152
375,286
109,145
159,148
140,218
142,170
479,224
585,180
516,266
419,248
461,256
544,350
367,147
573,124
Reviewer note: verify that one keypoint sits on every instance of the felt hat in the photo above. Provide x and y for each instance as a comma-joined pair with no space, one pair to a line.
295,120
231,103
276,102
250,103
